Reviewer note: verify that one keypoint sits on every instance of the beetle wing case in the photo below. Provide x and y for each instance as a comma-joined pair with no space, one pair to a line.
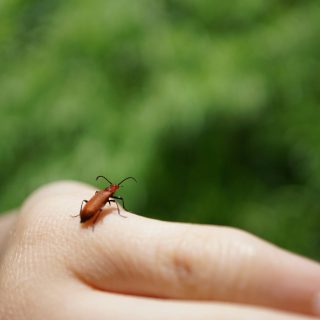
86,215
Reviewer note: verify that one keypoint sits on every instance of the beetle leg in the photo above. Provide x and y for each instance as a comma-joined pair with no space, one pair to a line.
122,200
112,200
80,208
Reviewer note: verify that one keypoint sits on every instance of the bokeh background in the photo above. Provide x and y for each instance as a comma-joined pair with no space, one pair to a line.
214,106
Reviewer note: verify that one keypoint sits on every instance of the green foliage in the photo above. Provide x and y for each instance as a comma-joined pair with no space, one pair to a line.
213,106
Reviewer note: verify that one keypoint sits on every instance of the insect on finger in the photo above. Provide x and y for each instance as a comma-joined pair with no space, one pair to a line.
93,207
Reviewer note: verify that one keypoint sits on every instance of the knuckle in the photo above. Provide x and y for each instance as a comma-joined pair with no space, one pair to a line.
181,263
35,250
43,222
208,262
34,215
51,189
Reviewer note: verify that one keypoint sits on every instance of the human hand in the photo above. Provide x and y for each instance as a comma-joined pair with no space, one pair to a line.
51,267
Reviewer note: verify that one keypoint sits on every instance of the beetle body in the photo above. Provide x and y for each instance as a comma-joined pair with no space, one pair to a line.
93,207
97,202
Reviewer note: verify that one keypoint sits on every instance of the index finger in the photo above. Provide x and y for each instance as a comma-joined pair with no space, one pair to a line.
171,260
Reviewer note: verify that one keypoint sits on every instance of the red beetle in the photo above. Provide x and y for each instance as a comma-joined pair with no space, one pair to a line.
93,207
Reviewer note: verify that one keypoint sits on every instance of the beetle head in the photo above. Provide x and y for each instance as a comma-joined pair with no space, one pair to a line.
113,188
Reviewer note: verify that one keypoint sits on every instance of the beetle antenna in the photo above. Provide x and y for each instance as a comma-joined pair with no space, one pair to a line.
98,177
127,179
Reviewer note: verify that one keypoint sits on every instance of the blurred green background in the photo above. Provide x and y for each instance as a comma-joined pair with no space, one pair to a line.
213,106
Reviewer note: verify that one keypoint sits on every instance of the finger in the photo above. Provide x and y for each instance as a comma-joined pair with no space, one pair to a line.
147,257
97,305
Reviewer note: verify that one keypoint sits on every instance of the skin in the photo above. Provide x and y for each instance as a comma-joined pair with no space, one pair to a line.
53,267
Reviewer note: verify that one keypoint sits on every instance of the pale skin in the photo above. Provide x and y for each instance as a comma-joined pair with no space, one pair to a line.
51,267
